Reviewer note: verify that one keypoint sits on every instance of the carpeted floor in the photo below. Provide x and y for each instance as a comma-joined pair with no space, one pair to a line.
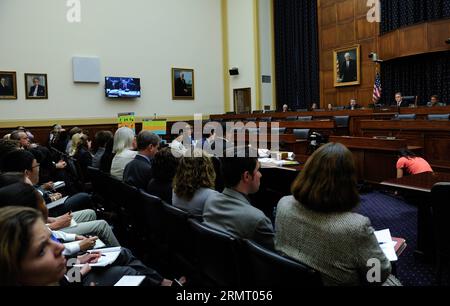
385,211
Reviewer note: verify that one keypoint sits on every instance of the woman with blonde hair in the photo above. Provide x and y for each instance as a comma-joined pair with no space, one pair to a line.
80,150
124,150
193,182
317,227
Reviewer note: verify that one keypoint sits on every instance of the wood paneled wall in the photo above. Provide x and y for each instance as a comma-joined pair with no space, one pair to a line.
344,23
416,39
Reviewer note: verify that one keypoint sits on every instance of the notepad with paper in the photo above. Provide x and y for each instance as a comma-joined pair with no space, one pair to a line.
130,280
109,256
387,245
56,203
59,184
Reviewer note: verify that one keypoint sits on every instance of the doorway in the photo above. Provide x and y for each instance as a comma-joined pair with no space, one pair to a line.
242,100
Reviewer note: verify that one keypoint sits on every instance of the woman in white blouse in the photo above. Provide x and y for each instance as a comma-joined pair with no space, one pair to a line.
124,146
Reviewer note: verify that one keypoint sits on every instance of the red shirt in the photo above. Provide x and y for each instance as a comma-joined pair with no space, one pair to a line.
414,165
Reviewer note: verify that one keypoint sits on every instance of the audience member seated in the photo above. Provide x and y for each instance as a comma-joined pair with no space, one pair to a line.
23,161
80,150
7,146
58,139
124,146
73,131
22,194
99,145
316,226
22,138
164,168
31,256
411,164
231,210
138,172
434,101
194,182
353,105
107,157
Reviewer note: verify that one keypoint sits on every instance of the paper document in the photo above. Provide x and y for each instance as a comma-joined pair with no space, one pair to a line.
56,203
109,255
59,184
387,245
130,280
98,244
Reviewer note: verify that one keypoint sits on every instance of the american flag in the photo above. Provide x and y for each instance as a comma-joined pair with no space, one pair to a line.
377,89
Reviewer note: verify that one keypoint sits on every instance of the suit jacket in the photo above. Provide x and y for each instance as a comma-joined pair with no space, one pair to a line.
6,91
138,172
231,212
403,104
357,106
348,74
338,245
196,205
40,91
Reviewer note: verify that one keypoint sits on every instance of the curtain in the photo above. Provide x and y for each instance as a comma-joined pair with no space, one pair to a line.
420,75
296,53
399,13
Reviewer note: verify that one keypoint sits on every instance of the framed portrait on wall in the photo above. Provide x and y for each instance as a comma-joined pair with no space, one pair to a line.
8,85
36,86
347,67
183,84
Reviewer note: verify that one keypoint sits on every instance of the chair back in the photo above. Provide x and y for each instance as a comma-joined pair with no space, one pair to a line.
216,252
342,121
280,131
265,119
269,269
440,193
179,237
405,116
439,117
291,118
153,215
301,133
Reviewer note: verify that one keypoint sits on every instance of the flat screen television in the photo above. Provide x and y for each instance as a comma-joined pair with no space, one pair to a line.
116,87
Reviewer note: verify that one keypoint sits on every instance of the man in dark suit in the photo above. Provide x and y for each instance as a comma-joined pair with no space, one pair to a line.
138,172
399,100
347,70
5,89
180,86
36,90
231,210
353,105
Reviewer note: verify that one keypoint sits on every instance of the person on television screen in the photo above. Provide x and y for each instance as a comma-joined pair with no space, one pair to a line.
5,89
348,69
180,86
36,90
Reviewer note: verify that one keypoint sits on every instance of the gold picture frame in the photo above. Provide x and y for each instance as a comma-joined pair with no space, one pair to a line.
347,66
183,87
8,85
36,86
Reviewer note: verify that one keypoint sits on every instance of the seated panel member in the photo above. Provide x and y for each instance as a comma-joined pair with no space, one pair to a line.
353,105
399,101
